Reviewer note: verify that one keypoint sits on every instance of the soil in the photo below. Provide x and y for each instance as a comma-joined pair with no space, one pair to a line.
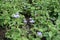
2,33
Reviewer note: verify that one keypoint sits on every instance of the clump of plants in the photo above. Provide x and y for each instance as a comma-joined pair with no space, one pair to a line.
30,19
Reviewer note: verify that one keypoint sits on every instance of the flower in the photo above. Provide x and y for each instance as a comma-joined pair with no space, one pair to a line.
31,20
39,33
25,21
16,15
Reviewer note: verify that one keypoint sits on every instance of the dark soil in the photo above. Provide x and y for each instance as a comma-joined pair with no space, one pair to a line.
2,33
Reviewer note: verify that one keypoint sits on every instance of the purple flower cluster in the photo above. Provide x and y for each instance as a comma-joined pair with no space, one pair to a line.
16,15
30,20
39,33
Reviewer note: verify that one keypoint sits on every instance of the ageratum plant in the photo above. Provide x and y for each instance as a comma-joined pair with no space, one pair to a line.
30,19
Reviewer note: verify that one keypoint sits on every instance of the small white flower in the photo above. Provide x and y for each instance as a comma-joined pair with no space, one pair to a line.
39,33
25,21
30,18
16,15
31,21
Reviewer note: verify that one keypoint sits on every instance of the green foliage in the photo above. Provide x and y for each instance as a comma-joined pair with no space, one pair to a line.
45,13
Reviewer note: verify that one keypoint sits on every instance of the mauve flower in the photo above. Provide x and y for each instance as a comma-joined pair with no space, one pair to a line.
16,15
25,21
31,20
39,33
